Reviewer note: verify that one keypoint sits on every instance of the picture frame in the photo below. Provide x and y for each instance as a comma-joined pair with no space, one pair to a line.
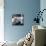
18,19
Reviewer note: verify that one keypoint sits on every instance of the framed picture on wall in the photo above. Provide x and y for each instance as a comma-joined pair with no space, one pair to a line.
17,19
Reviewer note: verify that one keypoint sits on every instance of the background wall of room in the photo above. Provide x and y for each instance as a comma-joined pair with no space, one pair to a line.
28,8
1,20
43,6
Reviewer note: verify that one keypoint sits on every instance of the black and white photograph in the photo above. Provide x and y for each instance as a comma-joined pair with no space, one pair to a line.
18,19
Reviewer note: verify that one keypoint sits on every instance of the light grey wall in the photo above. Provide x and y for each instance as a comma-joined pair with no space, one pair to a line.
43,6
28,8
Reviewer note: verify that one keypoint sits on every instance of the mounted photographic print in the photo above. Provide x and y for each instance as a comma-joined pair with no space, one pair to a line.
18,19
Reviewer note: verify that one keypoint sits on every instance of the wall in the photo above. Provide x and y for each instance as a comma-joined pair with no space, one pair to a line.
28,8
43,6
1,20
